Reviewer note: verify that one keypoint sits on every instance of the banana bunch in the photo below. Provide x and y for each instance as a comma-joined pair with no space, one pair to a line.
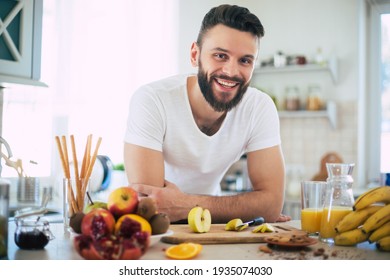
370,220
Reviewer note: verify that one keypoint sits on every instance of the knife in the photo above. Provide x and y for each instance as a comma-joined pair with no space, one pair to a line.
255,222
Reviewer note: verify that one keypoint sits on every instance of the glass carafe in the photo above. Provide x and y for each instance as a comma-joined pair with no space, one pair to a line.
339,198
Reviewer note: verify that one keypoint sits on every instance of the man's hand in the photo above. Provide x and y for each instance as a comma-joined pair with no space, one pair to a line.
169,199
283,218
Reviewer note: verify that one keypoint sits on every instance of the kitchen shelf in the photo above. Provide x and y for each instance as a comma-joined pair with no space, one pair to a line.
331,67
330,113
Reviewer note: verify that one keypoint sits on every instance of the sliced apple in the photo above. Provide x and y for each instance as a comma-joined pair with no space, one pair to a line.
234,225
263,228
199,219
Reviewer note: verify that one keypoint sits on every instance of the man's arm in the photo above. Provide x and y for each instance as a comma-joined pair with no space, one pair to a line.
143,165
145,171
267,173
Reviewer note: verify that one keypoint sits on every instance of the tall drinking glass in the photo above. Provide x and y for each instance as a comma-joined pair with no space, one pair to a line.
312,202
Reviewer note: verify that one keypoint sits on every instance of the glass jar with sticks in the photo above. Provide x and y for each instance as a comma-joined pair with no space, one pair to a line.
75,188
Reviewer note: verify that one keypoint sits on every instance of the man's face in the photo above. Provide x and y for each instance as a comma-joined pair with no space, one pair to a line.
226,62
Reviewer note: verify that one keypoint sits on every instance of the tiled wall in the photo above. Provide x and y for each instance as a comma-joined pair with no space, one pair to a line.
306,140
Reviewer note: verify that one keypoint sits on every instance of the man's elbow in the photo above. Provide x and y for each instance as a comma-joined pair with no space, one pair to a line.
274,210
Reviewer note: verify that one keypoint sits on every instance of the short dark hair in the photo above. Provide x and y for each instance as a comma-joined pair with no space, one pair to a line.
233,16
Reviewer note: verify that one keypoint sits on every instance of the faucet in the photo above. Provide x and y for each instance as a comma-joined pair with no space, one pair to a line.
5,143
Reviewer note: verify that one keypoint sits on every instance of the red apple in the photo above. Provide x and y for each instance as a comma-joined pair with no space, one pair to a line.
121,201
98,223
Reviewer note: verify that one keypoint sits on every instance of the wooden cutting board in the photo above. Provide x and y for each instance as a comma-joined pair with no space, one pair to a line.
218,234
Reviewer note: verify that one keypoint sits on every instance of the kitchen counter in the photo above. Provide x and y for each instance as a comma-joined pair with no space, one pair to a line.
61,248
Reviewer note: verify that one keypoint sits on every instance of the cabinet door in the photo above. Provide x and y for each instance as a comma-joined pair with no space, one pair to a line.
20,38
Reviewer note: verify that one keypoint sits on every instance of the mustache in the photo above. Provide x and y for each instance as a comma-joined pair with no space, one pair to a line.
225,77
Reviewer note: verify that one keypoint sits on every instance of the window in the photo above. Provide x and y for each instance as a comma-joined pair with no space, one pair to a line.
385,89
377,130
94,55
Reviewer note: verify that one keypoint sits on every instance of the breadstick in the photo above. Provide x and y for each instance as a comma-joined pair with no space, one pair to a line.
90,167
85,163
61,156
65,151
66,173
76,174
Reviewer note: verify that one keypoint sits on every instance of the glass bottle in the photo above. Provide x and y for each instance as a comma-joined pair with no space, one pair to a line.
339,198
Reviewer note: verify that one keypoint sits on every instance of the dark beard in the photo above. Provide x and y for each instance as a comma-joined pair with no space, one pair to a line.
206,89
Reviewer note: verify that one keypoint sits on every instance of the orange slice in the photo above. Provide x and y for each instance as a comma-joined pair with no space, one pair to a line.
183,251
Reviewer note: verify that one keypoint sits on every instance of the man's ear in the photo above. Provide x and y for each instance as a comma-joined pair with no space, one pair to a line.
195,52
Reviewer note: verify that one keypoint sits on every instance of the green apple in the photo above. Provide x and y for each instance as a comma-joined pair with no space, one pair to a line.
199,219
95,205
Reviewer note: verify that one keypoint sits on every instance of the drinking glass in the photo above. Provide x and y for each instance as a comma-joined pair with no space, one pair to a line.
312,202
74,198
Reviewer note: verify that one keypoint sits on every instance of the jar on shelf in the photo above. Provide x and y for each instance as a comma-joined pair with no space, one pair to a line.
292,102
319,58
314,98
280,59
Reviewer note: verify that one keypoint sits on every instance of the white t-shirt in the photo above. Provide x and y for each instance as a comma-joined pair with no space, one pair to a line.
160,118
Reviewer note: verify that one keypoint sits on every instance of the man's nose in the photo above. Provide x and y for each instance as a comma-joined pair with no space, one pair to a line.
230,68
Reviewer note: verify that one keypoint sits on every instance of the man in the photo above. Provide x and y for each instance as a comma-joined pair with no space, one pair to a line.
184,132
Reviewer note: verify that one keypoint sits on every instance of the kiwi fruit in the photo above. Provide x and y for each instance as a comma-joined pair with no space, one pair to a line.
160,223
147,208
75,221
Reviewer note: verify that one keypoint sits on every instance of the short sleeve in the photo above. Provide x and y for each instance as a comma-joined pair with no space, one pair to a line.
265,125
146,122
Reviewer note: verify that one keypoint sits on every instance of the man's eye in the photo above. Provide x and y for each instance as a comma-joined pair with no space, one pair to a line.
246,61
220,56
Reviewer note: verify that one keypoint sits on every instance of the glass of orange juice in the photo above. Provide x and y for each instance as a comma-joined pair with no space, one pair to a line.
312,202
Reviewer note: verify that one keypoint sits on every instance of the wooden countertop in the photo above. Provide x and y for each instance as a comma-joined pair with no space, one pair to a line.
61,248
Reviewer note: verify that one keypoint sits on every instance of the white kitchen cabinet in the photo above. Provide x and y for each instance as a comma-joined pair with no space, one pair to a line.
20,41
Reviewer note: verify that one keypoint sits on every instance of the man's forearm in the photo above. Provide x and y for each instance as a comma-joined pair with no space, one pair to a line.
245,206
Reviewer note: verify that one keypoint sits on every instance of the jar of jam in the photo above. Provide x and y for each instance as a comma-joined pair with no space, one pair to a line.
32,234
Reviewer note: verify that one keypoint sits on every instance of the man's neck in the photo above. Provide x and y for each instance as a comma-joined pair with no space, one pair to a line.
207,119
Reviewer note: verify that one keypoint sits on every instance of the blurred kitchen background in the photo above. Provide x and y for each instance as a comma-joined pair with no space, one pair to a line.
326,64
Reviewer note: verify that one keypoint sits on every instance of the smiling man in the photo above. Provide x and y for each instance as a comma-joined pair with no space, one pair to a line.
184,132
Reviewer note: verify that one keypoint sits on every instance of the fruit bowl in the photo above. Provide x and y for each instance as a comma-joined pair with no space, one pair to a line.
154,239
